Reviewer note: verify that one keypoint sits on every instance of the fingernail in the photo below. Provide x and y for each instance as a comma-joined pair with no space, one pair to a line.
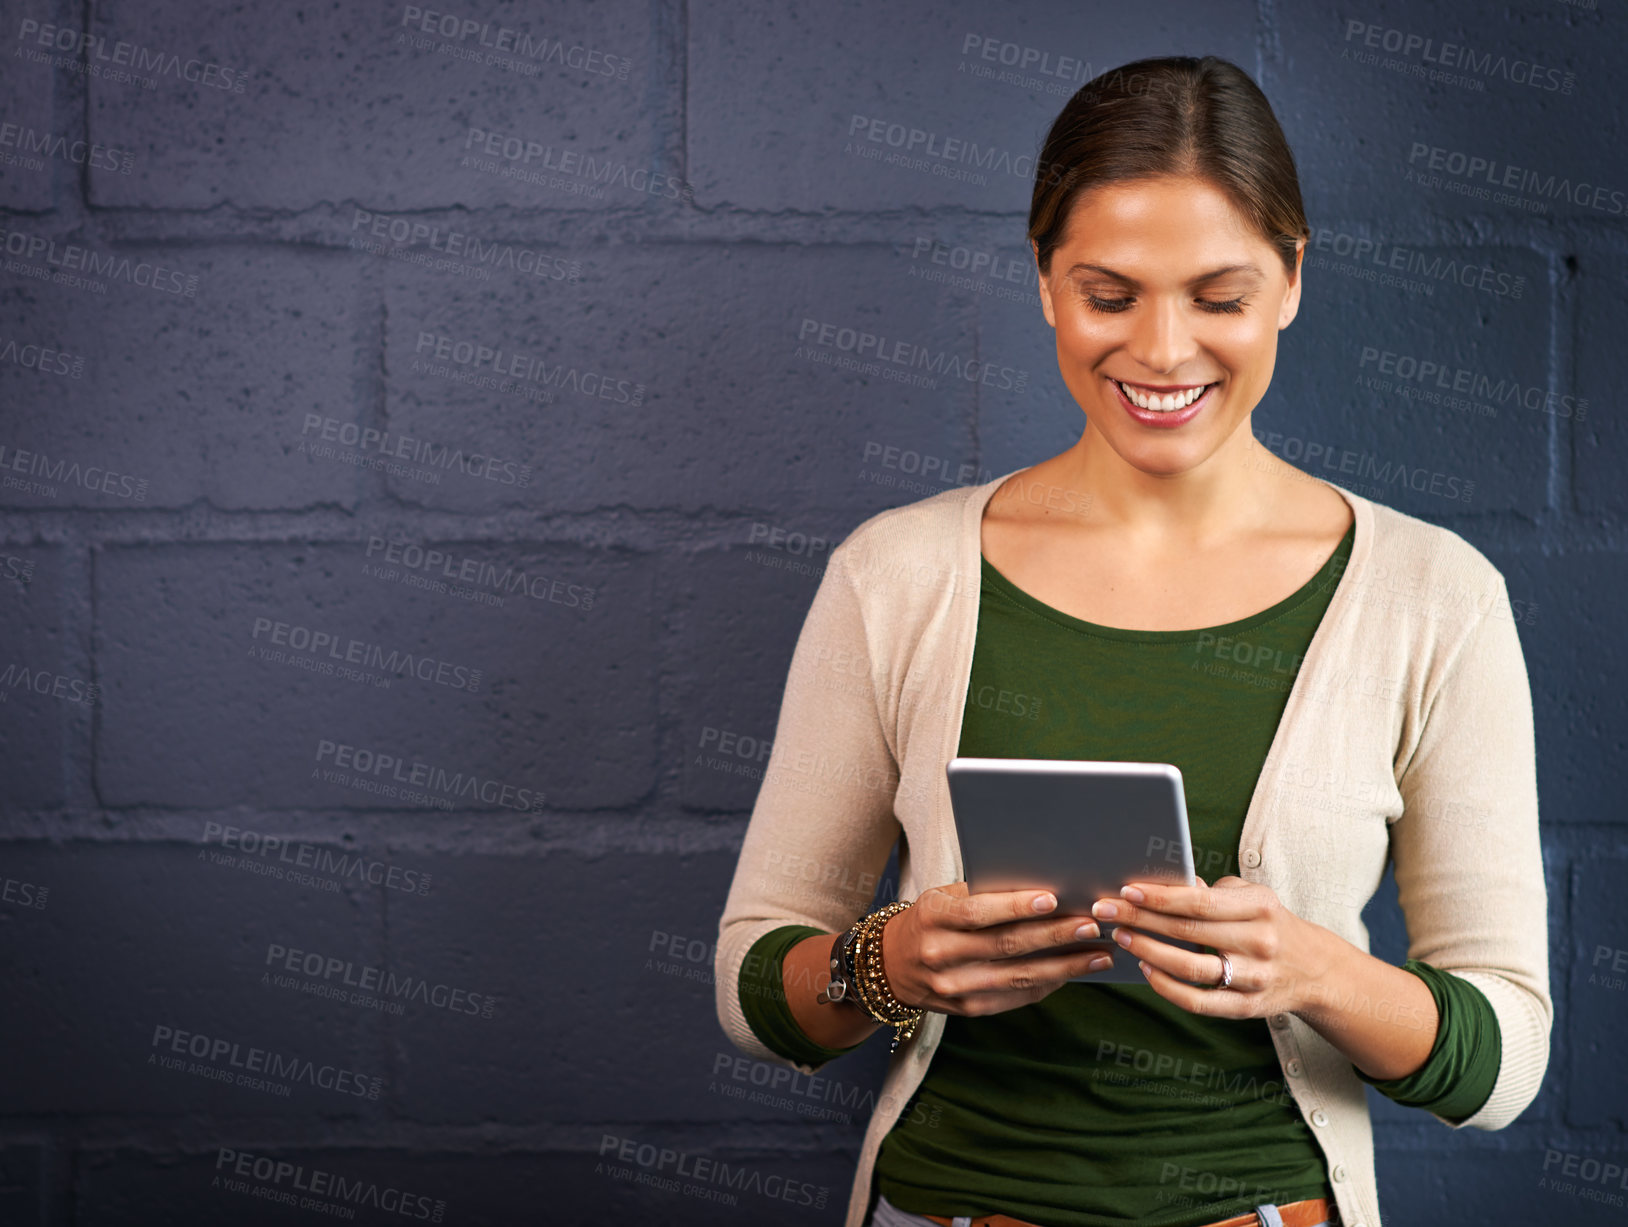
1087,930
1143,966
1123,937
1104,910
1045,903
1131,893
1101,963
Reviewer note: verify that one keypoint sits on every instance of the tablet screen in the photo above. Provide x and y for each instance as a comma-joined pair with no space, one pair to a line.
1079,828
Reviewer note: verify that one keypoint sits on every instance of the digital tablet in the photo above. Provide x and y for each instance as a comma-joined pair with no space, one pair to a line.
1080,829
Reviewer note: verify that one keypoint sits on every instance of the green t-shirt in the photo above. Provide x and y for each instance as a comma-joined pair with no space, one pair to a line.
1104,1104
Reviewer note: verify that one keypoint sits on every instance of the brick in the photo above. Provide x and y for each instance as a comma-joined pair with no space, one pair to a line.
1599,440
188,398
1491,1181
33,725
569,944
339,106
27,100
1577,663
1597,991
178,630
744,609
1017,432
119,1184
135,937
801,441
1347,378
22,1184
905,68
1354,124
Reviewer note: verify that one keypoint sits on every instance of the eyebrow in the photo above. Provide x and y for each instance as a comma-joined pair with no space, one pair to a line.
1135,284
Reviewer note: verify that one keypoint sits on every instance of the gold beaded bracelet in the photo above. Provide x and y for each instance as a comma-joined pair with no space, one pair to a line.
862,936
871,988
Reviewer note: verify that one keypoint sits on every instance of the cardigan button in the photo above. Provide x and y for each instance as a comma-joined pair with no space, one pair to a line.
1338,1173
1280,1021
1251,858
1294,1067
1319,1118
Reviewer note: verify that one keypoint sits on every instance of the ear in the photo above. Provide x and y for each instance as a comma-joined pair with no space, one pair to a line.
1045,286
1291,300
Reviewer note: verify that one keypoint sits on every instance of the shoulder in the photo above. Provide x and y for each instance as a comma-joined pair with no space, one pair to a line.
926,536
1406,540
1413,565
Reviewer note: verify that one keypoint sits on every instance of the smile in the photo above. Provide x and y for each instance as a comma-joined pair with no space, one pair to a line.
1165,402
1164,410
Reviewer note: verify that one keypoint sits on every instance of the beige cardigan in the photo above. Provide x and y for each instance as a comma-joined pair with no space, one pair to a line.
1408,733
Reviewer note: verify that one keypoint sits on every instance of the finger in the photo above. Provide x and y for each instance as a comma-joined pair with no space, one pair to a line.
1201,967
1179,910
1210,1002
993,907
1222,934
1035,975
1200,902
941,897
1021,937
939,903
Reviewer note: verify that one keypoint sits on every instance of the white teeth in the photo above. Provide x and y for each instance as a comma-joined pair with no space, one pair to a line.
1161,403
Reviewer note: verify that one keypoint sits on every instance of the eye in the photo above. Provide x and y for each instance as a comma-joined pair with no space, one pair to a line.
1110,306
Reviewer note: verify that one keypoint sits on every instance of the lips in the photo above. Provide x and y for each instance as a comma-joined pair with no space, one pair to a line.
1167,418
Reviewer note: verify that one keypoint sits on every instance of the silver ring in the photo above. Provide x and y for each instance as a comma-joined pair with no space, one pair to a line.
1226,972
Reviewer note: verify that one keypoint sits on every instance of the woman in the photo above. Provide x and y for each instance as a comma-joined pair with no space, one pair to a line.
1338,682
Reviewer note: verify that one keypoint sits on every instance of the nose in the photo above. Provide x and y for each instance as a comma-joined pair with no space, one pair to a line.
1161,336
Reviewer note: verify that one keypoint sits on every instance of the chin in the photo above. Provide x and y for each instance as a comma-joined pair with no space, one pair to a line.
1162,459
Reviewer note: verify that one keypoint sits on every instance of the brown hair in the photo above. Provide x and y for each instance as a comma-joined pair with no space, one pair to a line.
1173,115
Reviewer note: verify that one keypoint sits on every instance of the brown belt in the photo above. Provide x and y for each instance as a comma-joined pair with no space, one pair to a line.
1307,1213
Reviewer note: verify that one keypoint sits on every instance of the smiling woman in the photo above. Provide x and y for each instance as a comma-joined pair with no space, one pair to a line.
1168,232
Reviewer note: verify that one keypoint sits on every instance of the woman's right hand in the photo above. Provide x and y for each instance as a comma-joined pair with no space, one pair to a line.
959,953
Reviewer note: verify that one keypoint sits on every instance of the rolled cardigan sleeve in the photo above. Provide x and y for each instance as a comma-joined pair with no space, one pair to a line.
1466,850
823,824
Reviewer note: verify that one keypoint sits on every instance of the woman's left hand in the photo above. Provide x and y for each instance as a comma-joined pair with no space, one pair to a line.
1278,959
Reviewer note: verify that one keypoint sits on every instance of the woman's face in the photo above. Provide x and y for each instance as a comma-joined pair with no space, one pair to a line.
1162,284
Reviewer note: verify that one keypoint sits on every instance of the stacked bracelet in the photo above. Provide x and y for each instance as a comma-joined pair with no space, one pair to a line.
871,989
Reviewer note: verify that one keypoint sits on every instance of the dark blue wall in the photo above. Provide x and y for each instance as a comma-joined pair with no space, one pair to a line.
302,221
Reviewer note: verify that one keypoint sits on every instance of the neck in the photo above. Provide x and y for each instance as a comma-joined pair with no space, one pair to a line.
1232,492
